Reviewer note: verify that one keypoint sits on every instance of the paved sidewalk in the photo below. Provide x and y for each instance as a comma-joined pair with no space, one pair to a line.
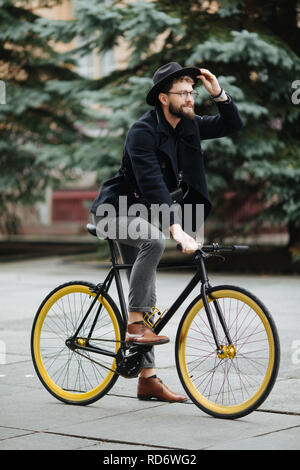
30,418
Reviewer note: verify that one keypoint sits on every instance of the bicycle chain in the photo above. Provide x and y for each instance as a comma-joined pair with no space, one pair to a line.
99,363
95,362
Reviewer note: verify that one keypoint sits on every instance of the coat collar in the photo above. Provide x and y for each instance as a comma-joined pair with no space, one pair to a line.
188,136
192,163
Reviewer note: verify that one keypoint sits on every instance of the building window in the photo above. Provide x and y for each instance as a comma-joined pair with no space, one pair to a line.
88,64
107,62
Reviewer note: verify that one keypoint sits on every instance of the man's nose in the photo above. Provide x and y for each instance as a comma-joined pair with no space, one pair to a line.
189,98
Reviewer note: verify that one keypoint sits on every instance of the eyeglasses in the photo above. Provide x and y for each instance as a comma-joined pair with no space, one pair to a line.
184,94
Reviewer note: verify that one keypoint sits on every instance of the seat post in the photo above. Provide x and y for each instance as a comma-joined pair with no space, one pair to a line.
118,281
112,252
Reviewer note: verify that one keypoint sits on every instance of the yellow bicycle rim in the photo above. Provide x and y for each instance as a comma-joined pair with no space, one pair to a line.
200,398
66,395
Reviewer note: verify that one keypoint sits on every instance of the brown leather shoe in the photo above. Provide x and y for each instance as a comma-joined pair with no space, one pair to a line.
154,388
139,333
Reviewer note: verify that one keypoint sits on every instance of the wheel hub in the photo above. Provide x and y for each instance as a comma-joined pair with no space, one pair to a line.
228,351
72,343
81,341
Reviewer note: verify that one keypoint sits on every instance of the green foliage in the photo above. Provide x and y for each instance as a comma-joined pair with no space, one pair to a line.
39,124
104,23
264,156
247,46
253,48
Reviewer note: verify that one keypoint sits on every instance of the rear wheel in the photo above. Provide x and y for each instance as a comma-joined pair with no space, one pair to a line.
234,381
72,374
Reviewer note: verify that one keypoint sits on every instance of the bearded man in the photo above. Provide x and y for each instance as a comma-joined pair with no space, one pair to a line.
162,164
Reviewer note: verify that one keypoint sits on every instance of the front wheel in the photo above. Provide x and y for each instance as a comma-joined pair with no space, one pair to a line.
66,367
234,381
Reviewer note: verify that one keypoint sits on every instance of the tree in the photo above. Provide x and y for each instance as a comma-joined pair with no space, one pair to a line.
120,96
252,47
260,50
40,128
254,50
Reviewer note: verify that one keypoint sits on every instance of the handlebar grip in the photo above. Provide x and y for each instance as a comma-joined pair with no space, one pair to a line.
240,247
217,248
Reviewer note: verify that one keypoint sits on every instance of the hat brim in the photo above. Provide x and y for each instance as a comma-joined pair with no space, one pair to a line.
153,93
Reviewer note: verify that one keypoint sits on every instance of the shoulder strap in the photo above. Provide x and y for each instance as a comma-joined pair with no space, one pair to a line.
126,170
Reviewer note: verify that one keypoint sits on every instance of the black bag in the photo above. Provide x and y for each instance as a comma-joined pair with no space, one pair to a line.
177,195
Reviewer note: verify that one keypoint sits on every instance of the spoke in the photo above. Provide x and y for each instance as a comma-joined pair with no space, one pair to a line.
228,381
47,325
71,370
200,361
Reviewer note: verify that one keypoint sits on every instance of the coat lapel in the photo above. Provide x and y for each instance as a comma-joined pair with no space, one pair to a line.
189,147
190,136
165,141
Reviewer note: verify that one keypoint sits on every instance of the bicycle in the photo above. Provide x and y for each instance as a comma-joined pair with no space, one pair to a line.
227,347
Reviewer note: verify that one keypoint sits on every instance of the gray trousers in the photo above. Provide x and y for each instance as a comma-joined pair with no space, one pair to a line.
142,244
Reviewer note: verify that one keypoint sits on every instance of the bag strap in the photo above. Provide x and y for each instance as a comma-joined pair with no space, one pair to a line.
130,182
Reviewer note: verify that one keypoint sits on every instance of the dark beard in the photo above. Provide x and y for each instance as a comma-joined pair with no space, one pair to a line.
178,112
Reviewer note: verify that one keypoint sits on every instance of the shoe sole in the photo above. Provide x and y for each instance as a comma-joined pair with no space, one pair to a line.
151,397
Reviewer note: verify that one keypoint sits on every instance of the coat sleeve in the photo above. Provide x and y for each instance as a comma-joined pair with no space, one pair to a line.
142,150
225,123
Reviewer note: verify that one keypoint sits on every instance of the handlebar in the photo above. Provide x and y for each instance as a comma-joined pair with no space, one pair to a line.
216,248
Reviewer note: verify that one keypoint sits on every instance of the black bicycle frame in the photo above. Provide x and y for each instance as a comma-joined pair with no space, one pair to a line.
200,276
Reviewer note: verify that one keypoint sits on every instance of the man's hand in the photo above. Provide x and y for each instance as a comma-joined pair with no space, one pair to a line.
189,244
209,82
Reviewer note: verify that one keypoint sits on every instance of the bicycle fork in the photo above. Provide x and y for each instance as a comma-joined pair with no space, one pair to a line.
222,351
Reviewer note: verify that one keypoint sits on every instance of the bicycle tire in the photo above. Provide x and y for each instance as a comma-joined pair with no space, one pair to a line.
228,387
68,376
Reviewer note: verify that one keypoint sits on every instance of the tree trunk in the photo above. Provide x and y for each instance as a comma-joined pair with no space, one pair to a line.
294,233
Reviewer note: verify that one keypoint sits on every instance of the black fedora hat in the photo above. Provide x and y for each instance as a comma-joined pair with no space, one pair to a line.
167,73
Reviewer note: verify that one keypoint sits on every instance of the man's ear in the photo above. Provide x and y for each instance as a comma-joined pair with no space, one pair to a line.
163,98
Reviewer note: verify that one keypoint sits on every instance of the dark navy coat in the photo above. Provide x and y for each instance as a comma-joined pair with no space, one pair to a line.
152,159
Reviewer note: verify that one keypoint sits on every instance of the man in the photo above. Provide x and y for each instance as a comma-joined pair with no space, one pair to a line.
163,145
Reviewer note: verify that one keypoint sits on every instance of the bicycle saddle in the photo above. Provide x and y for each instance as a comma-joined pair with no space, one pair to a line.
91,229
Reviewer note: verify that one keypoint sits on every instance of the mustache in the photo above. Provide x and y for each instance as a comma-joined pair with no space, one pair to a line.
181,112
